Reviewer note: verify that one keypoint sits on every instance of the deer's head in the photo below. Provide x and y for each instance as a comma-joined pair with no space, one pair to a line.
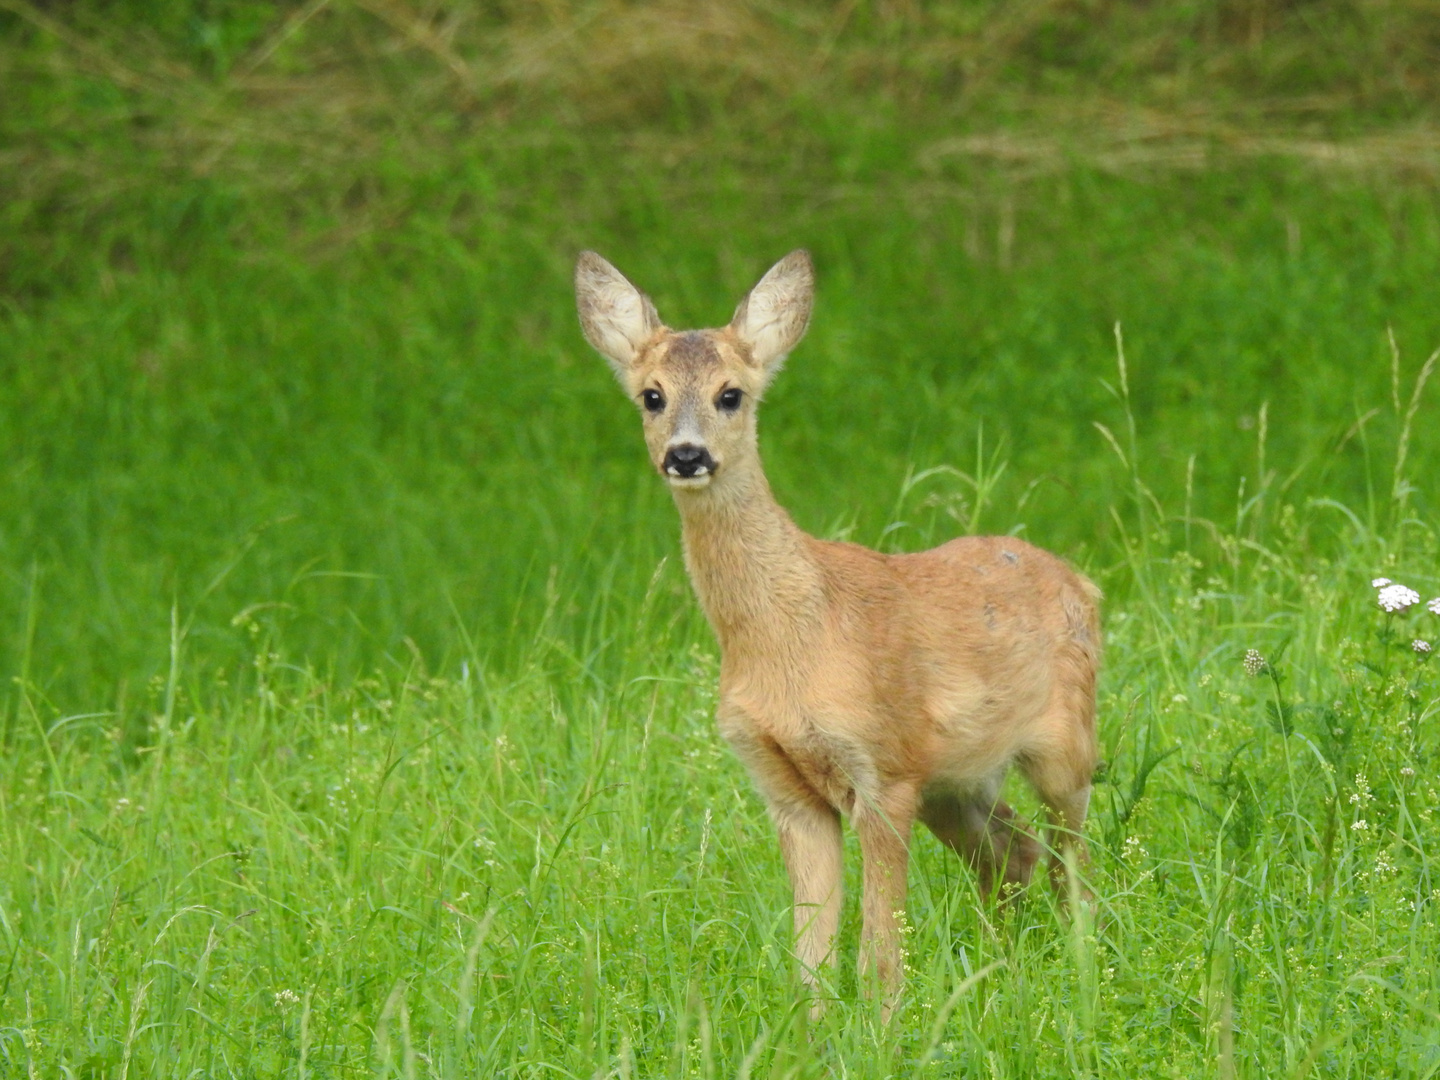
696,389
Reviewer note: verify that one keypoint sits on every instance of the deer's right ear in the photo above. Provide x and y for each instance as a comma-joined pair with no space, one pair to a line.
617,318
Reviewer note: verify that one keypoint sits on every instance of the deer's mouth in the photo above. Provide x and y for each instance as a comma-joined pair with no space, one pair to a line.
689,483
693,482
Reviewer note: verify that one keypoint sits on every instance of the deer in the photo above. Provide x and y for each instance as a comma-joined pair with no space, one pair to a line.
882,688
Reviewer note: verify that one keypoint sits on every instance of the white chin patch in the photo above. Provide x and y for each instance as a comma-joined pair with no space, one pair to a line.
699,480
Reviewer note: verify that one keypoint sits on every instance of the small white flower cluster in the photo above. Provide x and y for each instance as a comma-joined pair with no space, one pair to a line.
1397,597
1393,597
1254,662
1420,645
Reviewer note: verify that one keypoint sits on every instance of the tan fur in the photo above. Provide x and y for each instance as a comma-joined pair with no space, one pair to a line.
880,687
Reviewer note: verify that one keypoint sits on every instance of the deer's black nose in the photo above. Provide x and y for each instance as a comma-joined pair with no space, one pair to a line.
686,461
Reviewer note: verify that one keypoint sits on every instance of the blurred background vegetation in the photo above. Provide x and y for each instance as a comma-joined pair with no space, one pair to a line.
286,330
354,696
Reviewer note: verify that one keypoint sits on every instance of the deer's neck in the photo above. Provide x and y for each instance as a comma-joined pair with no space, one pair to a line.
750,564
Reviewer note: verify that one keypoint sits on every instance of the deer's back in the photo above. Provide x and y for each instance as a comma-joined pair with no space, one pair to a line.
974,595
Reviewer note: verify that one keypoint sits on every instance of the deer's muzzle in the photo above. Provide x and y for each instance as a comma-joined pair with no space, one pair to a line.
687,461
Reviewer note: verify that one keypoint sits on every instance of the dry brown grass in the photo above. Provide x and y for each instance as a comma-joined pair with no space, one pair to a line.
1121,141
337,97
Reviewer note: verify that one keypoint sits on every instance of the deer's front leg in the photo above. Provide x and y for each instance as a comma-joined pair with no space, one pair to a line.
809,831
812,847
882,823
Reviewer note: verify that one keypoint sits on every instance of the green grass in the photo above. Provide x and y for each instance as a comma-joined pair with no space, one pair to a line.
357,714
562,866
405,442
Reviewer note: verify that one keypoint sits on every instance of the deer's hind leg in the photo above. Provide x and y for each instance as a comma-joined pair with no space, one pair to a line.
985,831
1060,766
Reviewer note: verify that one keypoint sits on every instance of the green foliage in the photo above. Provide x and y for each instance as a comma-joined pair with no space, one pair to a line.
357,714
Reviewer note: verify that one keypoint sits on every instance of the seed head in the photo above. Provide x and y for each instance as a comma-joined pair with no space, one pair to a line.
1254,662
1397,597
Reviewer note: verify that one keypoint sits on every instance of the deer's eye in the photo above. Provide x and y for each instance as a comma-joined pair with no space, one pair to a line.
730,400
653,399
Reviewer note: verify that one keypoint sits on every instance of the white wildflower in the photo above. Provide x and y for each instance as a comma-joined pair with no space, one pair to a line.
1360,826
1407,771
1420,645
1134,851
1434,606
1254,662
1397,597
1380,583
1362,794
285,998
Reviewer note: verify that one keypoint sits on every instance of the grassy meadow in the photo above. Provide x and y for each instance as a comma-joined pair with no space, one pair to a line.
356,715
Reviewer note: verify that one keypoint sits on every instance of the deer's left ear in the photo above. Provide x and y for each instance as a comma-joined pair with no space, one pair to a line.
773,318
617,318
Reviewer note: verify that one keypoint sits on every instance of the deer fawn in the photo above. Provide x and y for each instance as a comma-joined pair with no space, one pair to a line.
879,687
